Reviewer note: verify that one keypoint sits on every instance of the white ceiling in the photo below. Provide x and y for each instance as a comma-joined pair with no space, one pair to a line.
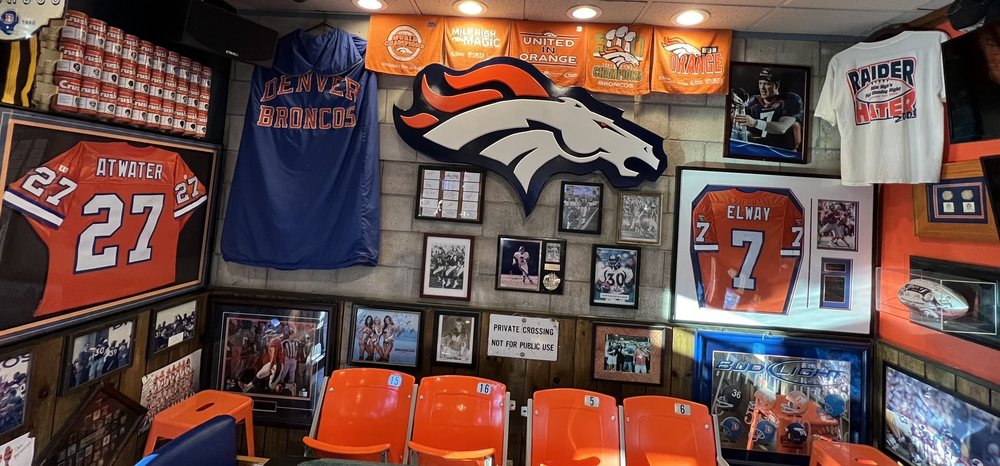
818,17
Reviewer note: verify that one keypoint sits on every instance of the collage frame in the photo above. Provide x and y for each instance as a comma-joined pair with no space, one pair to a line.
463,170
108,392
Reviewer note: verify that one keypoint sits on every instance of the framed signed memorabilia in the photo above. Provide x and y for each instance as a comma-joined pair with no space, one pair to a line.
456,338
86,205
639,217
580,207
450,193
382,336
772,250
96,431
614,276
530,264
768,117
957,207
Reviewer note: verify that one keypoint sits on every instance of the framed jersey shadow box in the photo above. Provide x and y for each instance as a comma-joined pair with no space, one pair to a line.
772,250
97,219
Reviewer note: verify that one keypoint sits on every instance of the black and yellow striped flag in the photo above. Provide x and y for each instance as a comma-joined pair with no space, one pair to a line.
19,59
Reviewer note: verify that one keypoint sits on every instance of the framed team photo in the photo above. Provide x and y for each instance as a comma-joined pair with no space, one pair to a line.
456,338
767,249
768,113
385,337
836,225
615,276
447,272
15,373
275,352
86,205
97,352
580,207
629,353
169,385
450,193
639,217
172,326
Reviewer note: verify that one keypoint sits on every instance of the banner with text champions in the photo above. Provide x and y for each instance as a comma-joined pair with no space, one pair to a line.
618,58
556,49
404,44
691,61
468,41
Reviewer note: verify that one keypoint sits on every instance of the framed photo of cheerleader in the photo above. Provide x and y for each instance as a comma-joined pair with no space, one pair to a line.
97,352
447,272
767,117
88,204
382,336
530,264
275,352
456,338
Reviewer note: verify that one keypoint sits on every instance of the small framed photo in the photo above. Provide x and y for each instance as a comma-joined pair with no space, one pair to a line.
629,353
450,193
385,337
172,326
15,372
456,338
639,217
768,113
530,264
615,276
580,207
447,267
96,352
836,225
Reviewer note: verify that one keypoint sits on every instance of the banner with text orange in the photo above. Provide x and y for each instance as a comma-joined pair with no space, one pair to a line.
468,41
618,60
404,44
691,61
556,49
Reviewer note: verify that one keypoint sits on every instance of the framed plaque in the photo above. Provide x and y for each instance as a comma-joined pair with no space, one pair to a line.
957,208
450,193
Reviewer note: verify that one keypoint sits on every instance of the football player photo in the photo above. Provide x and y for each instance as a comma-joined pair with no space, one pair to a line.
518,265
615,279
97,353
14,371
447,267
268,356
836,225
580,207
173,326
766,118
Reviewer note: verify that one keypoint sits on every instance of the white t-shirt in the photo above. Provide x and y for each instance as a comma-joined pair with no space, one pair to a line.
887,100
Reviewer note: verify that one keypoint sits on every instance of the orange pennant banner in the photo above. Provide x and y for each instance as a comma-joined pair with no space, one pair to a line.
691,61
468,41
556,49
403,44
618,58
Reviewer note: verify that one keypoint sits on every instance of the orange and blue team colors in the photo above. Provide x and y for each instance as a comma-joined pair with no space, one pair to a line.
109,212
746,247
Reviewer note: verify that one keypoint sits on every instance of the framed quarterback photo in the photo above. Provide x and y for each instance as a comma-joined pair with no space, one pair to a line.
772,250
447,272
767,113
86,205
615,276
530,264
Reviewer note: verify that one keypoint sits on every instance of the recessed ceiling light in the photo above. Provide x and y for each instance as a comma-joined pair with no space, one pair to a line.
584,12
690,17
369,4
470,7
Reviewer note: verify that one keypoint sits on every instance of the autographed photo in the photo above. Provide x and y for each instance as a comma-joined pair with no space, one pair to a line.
388,337
615,277
519,264
768,113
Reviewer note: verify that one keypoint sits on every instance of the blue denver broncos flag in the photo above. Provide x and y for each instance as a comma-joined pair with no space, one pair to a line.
305,194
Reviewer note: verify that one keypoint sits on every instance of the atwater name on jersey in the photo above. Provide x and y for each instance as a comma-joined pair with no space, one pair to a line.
108,213
746,247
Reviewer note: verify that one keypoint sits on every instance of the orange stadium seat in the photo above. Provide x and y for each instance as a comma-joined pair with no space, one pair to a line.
459,420
827,453
571,427
196,410
661,430
364,415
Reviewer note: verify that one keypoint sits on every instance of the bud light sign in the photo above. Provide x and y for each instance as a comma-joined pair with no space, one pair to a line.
809,372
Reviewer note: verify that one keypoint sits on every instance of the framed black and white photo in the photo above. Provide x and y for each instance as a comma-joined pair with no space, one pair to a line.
530,264
172,326
767,117
447,272
450,193
97,352
580,207
15,372
639,217
456,338
615,276
275,352
382,336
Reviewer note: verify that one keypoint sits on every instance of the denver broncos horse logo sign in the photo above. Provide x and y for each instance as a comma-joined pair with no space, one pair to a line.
506,116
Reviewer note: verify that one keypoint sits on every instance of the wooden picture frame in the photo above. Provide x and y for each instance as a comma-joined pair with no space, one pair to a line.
456,338
616,347
96,352
581,207
957,208
793,86
640,216
368,337
42,161
450,193
104,409
447,266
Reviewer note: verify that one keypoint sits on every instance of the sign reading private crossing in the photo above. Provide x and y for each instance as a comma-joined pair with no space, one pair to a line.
523,337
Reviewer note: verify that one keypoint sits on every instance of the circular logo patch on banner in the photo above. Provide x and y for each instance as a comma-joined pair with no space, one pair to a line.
404,43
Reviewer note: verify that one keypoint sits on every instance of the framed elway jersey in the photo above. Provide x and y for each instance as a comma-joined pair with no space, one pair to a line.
772,250
97,219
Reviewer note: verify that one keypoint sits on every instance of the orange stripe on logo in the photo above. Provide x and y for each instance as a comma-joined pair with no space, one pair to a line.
457,103
420,120
518,80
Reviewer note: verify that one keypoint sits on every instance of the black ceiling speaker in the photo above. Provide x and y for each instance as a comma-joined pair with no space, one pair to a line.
215,27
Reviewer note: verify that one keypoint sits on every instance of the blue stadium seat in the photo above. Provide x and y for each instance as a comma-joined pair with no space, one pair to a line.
212,443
